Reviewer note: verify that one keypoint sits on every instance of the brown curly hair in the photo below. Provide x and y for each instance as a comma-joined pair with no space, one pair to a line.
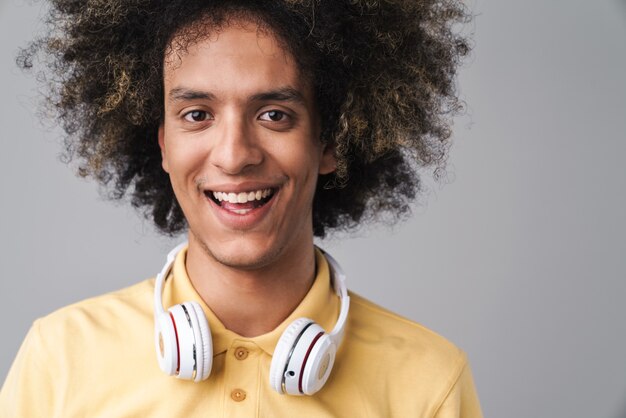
383,74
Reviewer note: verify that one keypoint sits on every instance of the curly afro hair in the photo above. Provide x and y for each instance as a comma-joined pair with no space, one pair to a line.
383,74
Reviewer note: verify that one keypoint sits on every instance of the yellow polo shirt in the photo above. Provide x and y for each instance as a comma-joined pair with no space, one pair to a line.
97,359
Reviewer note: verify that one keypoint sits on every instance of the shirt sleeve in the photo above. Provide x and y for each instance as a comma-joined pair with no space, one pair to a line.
462,400
28,388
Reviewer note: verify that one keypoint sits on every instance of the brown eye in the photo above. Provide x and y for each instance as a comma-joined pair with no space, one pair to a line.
196,116
273,115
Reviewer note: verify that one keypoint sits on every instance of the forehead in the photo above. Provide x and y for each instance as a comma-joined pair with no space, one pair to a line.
240,56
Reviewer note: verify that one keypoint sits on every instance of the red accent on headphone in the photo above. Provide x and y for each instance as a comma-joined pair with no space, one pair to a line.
306,357
177,344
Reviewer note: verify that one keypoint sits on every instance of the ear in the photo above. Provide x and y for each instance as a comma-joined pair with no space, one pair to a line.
328,162
161,136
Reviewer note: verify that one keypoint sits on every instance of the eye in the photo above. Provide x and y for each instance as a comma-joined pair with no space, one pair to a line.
273,115
196,116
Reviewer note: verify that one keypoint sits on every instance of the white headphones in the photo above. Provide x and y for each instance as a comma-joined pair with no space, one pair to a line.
303,357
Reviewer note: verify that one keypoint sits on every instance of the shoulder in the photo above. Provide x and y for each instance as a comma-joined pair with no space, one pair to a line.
130,302
372,322
74,348
100,324
382,345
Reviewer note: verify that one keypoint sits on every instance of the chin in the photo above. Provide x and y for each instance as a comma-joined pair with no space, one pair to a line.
242,254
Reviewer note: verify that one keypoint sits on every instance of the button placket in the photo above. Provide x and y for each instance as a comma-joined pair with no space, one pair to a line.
238,395
241,353
242,379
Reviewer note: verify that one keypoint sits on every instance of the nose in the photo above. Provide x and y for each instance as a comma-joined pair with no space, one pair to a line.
235,148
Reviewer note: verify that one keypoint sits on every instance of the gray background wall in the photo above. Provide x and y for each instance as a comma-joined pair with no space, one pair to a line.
519,259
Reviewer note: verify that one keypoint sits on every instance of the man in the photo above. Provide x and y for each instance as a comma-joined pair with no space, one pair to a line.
253,126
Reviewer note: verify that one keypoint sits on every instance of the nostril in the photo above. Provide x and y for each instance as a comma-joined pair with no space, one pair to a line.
236,156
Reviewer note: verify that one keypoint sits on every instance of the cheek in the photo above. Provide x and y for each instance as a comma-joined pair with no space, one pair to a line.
295,156
184,158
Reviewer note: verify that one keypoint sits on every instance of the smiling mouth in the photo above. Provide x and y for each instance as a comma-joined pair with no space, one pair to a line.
241,203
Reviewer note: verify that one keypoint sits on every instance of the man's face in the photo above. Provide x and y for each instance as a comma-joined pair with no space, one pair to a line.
240,141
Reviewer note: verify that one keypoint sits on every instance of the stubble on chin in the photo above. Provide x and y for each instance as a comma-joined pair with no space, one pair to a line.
237,261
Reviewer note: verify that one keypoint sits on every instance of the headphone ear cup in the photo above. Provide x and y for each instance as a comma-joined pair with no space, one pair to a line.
302,359
187,337
166,342
204,342
281,352
317,367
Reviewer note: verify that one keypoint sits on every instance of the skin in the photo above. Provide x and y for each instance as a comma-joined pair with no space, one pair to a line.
239,117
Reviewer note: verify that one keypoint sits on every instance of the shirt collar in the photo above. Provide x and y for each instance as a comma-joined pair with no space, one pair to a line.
320,304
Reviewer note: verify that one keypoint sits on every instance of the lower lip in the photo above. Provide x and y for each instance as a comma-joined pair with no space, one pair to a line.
242,221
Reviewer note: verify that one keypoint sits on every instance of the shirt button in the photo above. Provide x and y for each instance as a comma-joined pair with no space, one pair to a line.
241,353
238,395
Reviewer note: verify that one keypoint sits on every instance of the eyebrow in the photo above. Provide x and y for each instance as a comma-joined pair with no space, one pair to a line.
284,94
182,94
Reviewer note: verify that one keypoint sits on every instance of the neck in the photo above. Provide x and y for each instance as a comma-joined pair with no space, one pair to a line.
252,302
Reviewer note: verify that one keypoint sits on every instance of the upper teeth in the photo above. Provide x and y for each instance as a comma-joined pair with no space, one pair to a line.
242,197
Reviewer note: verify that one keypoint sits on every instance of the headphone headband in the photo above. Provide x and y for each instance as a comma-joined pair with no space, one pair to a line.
303,357
160,278
338,278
